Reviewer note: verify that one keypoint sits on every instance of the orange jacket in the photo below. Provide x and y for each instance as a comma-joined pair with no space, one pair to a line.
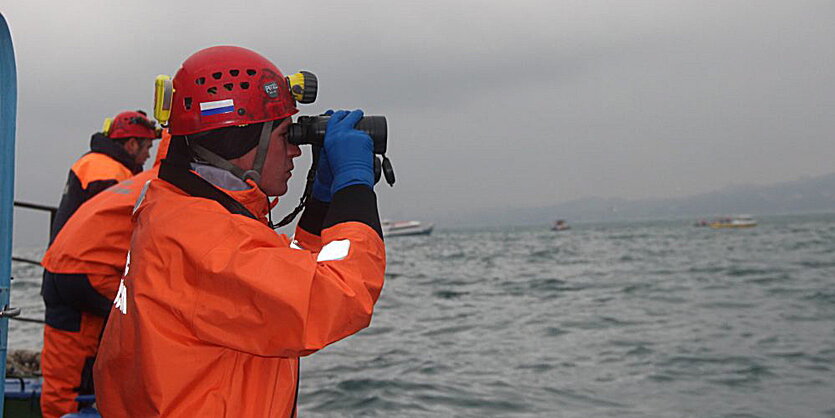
82,271
83,267
215,308
97,166
106,164
95,240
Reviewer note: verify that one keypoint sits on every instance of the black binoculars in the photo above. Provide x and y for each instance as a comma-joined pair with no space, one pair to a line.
311,130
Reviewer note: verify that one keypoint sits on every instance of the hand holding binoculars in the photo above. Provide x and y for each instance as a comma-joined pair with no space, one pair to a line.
310,130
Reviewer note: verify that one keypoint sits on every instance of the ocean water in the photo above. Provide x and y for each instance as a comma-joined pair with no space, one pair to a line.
647,319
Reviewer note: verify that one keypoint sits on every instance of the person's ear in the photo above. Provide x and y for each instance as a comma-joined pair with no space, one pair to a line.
131,145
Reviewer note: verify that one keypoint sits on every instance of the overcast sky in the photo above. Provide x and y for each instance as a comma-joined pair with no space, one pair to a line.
490,103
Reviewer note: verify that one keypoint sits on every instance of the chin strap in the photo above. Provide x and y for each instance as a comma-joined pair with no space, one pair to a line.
244,175
260,154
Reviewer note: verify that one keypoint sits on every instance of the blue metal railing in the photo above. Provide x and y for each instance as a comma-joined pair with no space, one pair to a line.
8,117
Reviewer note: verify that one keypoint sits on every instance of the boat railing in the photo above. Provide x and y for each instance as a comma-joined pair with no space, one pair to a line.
35,206
38,207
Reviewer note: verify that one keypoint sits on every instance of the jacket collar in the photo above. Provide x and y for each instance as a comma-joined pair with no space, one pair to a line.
104,145
247,194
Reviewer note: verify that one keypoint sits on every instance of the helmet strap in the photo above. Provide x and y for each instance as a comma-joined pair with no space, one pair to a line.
261,153
217,161
260,157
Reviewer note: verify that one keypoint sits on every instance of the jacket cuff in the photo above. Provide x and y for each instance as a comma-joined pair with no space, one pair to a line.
313,216
356,203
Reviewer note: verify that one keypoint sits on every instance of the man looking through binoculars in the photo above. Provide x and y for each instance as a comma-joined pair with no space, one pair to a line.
215,309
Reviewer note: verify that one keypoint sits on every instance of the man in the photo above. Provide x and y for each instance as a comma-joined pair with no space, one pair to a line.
115,155
215,308
85,259
91,250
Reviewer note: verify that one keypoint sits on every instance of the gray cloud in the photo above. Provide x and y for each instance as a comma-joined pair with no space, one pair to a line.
490,103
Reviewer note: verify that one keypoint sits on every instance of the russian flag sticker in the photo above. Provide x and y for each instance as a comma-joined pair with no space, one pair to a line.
216,108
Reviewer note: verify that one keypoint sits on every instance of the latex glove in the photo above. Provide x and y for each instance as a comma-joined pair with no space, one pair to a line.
350,152
324,176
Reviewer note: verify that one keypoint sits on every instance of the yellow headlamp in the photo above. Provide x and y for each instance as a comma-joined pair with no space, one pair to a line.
105,128
303,86
163,92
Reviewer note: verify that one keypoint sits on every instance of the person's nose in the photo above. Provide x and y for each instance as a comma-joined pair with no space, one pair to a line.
293,151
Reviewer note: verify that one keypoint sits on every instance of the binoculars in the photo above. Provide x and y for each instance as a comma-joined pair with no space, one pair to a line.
310,130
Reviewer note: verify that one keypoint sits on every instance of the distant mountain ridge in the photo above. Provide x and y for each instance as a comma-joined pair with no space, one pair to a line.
816,194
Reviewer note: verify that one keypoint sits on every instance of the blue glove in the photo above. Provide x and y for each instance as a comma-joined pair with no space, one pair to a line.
350,152
324,176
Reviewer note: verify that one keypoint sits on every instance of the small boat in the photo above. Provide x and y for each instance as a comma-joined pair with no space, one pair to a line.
401,228
560,225
739,221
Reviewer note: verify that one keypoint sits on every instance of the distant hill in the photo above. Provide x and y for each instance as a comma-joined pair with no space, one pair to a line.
815,194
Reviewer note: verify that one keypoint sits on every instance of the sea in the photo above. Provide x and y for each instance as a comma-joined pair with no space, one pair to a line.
631,319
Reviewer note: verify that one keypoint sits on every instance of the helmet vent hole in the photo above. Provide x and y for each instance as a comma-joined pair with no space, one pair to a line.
245,85
200,81
217,75
187,103
251,72
234,73
212,90
228,86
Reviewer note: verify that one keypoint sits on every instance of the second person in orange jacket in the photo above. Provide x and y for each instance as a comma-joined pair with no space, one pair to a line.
215,308
78,293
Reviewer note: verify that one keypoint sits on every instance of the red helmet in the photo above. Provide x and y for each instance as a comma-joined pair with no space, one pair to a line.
227,86
131,125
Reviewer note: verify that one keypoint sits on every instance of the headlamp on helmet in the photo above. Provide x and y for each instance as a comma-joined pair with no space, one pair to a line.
228,86
303,85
